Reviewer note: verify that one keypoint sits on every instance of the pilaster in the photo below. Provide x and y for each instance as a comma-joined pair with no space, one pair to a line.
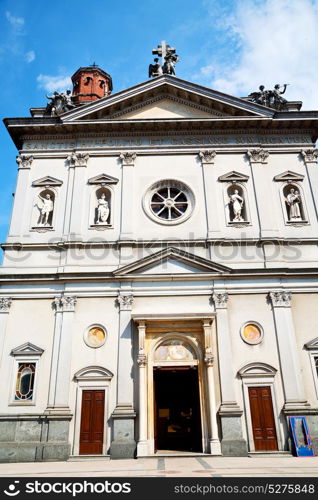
123,444
258,158
142,446
5,305
58,400
210,194
19,209
127,195
214,442
77,162
287,348
232,443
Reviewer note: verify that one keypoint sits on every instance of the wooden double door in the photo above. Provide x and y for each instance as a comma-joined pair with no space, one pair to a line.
92,423
263,422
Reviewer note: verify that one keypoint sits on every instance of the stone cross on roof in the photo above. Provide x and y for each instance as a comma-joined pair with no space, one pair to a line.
162,51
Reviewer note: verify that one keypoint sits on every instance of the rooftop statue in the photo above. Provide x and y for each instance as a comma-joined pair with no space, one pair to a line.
270,98
60,103
169,58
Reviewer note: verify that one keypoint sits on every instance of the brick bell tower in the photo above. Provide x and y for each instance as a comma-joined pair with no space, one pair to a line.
90,84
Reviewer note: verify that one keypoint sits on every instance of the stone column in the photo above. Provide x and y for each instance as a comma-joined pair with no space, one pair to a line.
127,195
214,442
124,444
5,304
19,209
266,217
142,446
58,401
210,195
287,348
78,162
230,413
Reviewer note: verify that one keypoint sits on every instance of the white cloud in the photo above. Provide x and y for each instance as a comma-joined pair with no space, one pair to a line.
276,42
16,22
51,83
30,56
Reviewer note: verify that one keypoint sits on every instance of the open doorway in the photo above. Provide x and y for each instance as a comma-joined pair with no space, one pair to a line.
177,409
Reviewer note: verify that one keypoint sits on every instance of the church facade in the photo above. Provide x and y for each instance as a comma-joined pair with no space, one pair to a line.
159,287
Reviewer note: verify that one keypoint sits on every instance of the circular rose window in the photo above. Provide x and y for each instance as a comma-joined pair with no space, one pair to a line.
169,202
252,333
95,336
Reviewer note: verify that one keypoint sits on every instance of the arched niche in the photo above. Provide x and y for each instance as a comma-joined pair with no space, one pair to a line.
101,207
44,208
236,204
293,203
175,350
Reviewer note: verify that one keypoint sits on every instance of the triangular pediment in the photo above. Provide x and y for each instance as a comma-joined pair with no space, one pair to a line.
102,179
47,181
312,345
166,97
289,176
233,177
27,349
172,261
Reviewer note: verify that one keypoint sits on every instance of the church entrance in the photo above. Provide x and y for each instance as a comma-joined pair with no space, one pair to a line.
177,409
263,423
92,423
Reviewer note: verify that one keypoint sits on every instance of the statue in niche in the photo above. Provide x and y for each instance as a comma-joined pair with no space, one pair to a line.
46,207
102,210
293,203
237,203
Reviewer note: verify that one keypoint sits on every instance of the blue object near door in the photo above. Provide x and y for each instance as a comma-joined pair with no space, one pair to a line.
301,437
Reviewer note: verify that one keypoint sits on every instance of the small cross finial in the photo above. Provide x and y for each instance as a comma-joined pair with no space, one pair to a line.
94,65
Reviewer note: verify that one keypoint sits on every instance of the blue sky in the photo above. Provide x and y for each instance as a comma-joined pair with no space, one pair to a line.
232,46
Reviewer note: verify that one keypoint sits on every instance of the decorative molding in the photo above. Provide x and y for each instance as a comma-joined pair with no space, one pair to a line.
280,298
27,349
258,155
128,158
207,156
253,370
309,155
141,358
208,356
93,373
289,176
47,182
24,161
220,299
5,304
78,159
233,177
66,303
102,180
125,301
312,345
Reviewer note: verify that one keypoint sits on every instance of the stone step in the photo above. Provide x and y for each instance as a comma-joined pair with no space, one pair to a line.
91,458
270,454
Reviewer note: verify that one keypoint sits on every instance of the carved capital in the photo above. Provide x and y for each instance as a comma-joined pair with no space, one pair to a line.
78,159
258,155
207,156
208,357
141,358
24,161
220,300
310,155
5,304
128,158
64,304
280,299
125,301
